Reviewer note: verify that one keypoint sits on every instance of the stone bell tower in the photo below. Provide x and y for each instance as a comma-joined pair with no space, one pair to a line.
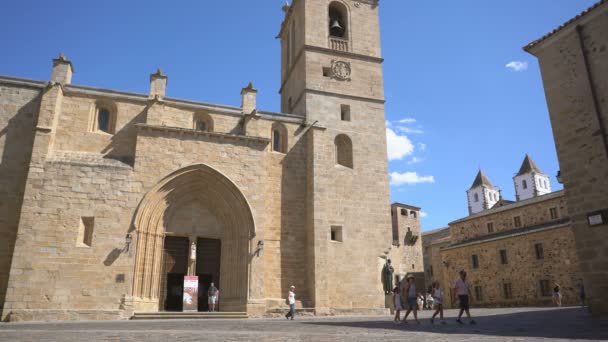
331,75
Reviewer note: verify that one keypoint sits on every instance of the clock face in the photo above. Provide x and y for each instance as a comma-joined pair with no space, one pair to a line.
341,70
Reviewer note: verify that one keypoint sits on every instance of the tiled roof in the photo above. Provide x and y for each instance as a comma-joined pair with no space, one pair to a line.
528,166
407,206
480,180
564,25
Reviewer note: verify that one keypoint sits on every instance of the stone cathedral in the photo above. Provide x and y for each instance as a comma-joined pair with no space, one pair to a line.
108,198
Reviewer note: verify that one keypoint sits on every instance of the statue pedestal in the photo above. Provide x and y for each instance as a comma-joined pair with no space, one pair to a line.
388,303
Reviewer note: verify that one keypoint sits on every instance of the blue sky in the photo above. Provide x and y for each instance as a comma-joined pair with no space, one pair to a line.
453,105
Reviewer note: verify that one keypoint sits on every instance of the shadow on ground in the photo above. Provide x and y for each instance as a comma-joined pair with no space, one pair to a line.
562,323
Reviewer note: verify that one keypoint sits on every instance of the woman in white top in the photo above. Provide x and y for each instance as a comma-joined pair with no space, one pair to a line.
291,300
438,300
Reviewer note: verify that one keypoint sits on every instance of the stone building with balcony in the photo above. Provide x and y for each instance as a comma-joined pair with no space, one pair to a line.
108,199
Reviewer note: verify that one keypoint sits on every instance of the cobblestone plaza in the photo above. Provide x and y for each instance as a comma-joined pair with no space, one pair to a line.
529,324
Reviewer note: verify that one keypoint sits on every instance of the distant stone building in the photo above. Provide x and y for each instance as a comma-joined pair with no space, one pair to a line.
432,243
574,64
108,199
514,252
407,244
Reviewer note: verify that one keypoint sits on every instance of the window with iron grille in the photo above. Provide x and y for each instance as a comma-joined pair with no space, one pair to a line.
475,260
507,291
503,257
540,252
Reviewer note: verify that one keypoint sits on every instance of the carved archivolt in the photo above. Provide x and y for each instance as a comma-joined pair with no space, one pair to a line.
228,204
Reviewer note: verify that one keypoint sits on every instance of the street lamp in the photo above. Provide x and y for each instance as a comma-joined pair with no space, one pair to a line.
560,180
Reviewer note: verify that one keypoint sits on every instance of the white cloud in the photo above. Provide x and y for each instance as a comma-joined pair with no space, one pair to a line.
423,214
399,146
409,178
415,160
407,120
517,66
422,146
408,130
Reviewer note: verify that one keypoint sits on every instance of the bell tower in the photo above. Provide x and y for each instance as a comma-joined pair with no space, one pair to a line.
331,75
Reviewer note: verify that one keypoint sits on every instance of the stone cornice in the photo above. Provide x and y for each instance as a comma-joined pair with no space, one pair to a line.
193,132
519,232
23,82
519,204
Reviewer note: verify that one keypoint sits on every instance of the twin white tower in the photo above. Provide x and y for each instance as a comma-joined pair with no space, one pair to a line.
529,182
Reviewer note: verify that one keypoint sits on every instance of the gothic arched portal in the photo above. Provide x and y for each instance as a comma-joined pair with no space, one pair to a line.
212,190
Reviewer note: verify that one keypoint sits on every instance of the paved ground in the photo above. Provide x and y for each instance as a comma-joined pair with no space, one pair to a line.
529,324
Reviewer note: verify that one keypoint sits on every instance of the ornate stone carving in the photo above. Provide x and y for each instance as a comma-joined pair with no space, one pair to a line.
341,70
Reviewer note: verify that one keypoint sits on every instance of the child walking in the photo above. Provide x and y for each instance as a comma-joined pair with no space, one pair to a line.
397,302
438,301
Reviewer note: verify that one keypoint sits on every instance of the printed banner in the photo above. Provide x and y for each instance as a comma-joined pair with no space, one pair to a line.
190,293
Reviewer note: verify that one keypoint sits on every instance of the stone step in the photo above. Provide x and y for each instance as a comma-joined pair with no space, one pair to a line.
189,315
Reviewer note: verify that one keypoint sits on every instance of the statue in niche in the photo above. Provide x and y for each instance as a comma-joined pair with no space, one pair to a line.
410,238
387,277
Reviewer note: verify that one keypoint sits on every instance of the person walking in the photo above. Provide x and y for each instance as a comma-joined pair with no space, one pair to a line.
438,300
397,303
212,294
557,295
462,289
412,301
291,300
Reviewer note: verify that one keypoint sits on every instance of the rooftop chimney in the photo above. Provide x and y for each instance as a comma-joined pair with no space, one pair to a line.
62,70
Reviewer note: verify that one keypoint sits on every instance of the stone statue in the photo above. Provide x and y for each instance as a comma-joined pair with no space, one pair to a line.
387,276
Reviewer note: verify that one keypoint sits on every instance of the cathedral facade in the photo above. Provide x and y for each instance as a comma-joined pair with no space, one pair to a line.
109,199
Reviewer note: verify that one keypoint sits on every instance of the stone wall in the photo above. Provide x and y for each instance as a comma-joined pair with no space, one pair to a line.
19,105
432,243
523,270
531,212
574,66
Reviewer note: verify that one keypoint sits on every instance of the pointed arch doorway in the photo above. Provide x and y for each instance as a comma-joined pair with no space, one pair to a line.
196,206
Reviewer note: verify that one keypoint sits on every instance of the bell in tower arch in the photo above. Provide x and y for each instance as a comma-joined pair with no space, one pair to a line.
336,29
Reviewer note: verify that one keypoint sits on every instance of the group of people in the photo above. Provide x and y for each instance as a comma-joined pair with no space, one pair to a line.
414,301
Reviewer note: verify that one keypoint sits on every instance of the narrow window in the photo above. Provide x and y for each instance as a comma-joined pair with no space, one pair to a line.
345,112
507,291
85,231
553,213
344,151
478,293
490,227
103,120
201,125
475,261
279,138
276,140
524,184
203,122
476,198
545,288
336,233
404,212
517,221
431,271
503,257
413,214
539,250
